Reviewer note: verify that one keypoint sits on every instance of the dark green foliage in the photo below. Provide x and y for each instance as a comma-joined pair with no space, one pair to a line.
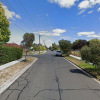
91,53
65,46
78,44
86,53
55,46
10,54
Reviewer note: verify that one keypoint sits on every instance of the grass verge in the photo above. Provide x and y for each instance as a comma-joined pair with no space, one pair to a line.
9,72
86,66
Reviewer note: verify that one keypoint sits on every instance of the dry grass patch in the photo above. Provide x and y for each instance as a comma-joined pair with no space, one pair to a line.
9,72
76,53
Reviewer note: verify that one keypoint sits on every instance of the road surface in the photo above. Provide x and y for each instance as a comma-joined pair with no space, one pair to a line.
53,78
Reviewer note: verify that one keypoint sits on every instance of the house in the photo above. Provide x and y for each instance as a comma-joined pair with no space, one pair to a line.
12,45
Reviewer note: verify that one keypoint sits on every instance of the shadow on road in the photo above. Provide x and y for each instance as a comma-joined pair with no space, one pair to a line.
78,72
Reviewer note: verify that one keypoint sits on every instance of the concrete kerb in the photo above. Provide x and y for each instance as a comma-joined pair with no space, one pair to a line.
84,71
7,84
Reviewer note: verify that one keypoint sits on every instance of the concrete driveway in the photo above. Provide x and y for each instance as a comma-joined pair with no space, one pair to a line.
53,78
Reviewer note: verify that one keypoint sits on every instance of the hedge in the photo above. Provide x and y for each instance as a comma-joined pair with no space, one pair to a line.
10,54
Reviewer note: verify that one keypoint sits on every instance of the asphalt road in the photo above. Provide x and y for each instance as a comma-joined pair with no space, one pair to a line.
53,78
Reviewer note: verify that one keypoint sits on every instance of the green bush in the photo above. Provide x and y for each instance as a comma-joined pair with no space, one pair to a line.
10,54
91,53
95,55
65,46
86,53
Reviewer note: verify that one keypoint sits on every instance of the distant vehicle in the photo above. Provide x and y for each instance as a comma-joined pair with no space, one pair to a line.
58,53
52,50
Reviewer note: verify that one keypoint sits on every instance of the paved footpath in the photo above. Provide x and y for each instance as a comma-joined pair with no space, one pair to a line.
53,78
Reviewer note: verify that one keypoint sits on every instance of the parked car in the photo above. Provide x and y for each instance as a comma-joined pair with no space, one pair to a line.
58,53
52,50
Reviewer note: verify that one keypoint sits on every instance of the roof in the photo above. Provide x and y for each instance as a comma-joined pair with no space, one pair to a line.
12,45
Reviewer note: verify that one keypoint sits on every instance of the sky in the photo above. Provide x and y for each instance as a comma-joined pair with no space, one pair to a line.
53,19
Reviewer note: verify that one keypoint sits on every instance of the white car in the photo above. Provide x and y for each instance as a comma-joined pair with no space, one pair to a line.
58,53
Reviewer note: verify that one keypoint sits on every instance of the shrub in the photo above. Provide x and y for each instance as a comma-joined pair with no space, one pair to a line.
65,46
86,53
10,54
91,53
95,55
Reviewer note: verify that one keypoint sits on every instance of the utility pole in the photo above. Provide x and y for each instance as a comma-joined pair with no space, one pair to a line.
39,42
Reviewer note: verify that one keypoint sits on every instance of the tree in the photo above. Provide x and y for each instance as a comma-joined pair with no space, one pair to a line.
50,47
91,53
4,26
36,47
94,44
86,53
55,46
78,44
27,42
65,46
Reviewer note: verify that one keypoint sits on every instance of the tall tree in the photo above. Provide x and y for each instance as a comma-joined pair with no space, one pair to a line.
78,44
65,46
4,26
27,42
55,46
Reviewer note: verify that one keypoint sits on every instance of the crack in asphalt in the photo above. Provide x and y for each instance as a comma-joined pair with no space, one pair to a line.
58,83
59,89
19,84
62,90
94,91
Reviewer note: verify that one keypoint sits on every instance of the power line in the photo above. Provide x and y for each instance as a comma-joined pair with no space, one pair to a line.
25,10
24,22
19,27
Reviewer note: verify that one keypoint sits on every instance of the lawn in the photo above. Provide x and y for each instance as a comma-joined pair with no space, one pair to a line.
88,67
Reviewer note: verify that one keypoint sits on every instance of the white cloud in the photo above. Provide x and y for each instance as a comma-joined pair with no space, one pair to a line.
18,16
82,11
95,36
64,3
98,9
10,14
90,12
89,34
55,32
59,31
48,43
85,33
85,4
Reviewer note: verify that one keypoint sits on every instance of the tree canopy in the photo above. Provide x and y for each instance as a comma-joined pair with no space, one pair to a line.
78,44
28,39
4,26
55,46
65,46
